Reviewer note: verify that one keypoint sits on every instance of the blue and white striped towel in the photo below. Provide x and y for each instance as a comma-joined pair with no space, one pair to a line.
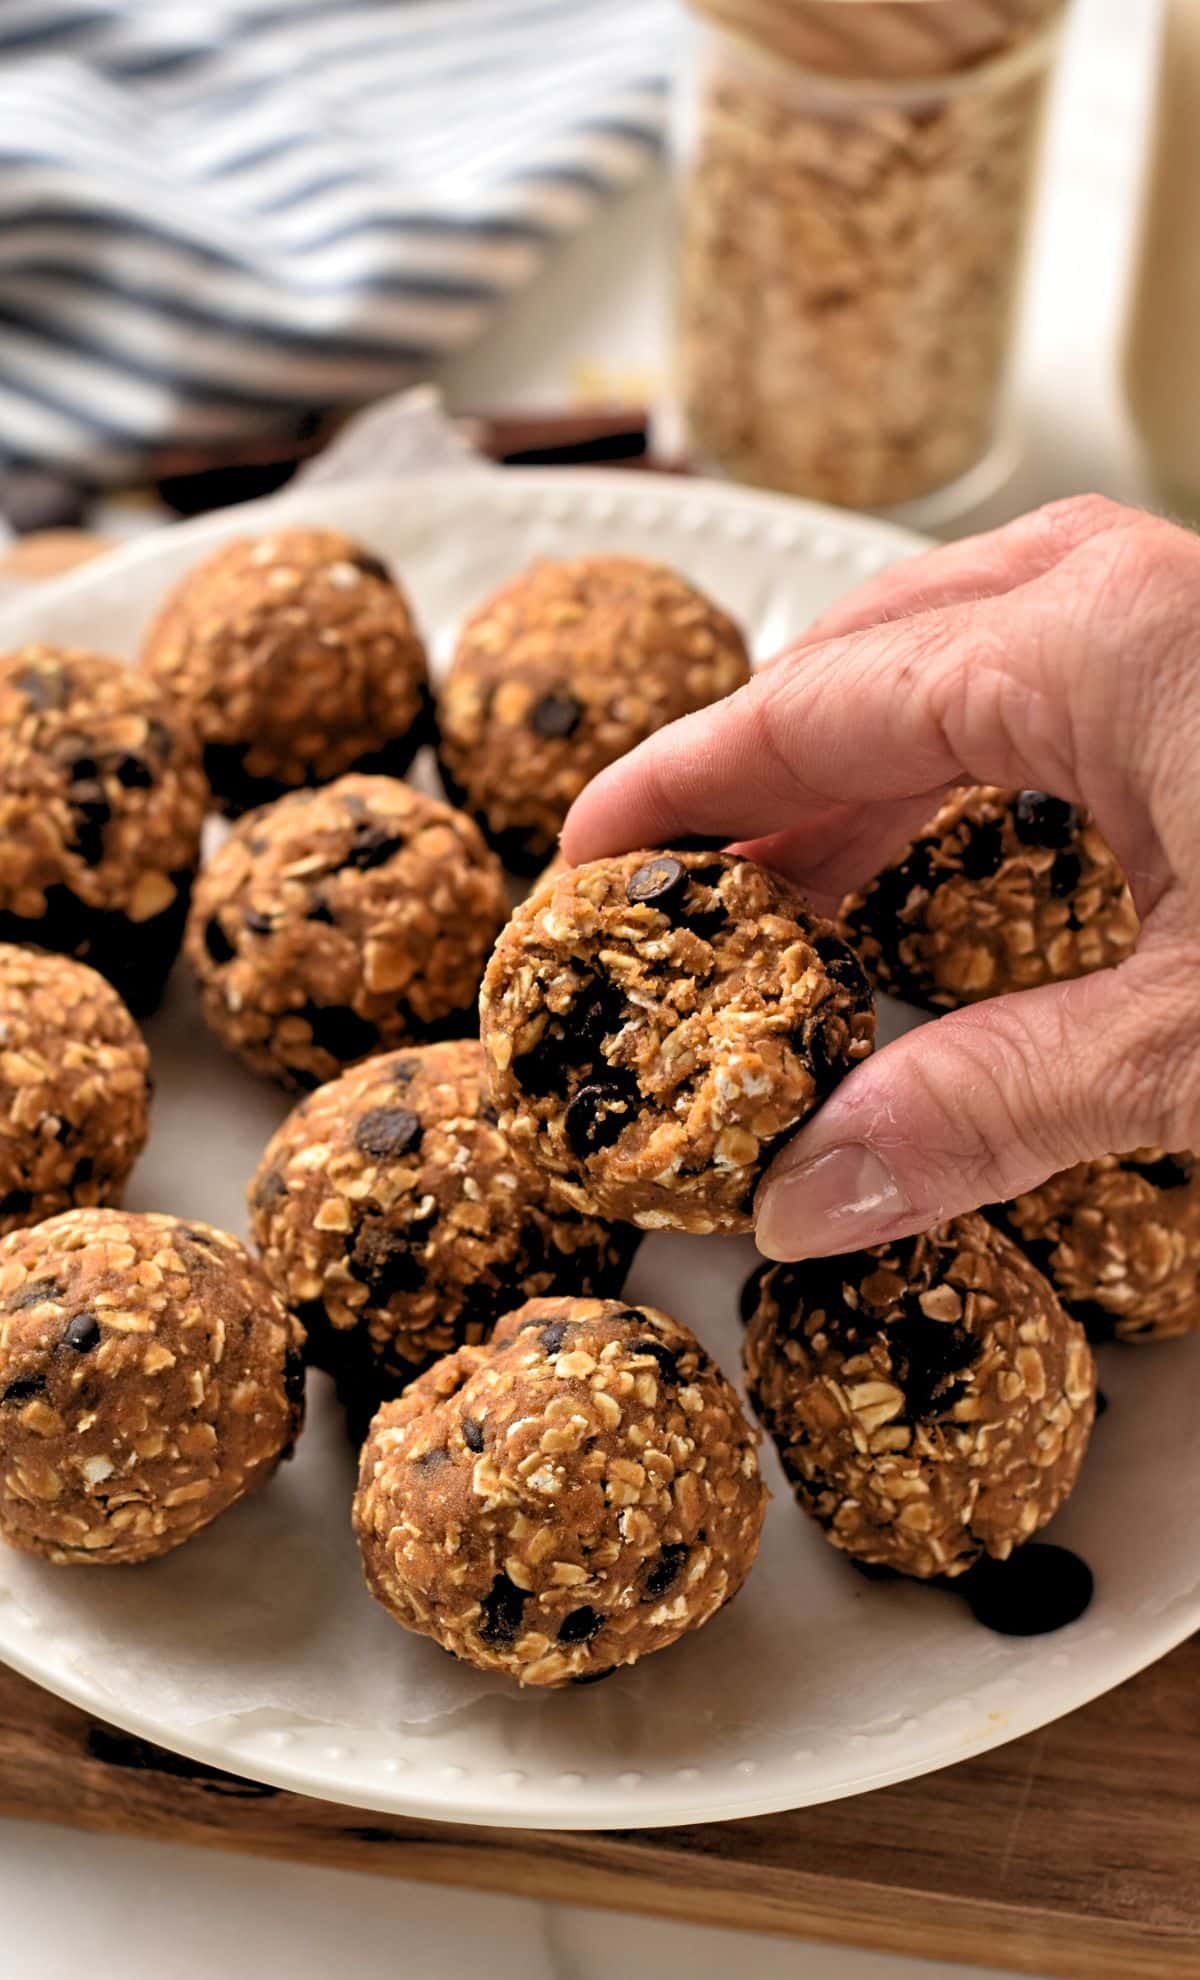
213,216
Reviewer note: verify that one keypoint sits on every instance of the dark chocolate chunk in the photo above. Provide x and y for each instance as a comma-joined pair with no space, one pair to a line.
1065,875
661,883
668,1363
472,1433
502,1606
340,1031
843,966
386,1261
554,1335
17,1203
373,846
1169,1172
432,1460
387,1132
1039,1588
90,815
1042,820
889,897
320,911
984,849
664,1573
32,1294
83,770
555,715
600,1112
580,1626
926,1354
217,942
82,1333
573,1042
24,1389
134,775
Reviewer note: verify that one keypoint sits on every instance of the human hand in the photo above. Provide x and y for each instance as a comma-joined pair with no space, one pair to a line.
1060,653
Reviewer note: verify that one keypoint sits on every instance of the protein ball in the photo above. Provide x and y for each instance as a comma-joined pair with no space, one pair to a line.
74,1088
101,802
392,1218
657,1024
930,1400
296,658
1119,1240
563,670
568,1498
340,922
1003,890
148,1378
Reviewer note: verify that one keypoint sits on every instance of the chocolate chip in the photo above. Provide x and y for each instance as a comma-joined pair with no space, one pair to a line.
17,1203
271,1189
664,1573
1042,820
84,770
553,1336
373,846
572,1042
1169,1172
472,1433
82,1333
502,1606
44,687
1065,875
33,1293
387,1132
340,1031
668,1363
555,715
217,942
843,966
661,883
983,851
431,1460
90,816
24,1389
925,1355
580,1626
600,1112
320,911
386,1261
1039,1588
889,898
134,775
83,1172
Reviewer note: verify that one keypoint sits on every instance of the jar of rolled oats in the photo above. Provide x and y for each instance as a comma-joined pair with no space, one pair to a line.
857,180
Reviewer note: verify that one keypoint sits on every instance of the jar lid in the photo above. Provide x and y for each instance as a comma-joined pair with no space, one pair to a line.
884,40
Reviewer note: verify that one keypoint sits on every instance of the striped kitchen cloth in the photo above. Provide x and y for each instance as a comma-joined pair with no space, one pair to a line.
215,216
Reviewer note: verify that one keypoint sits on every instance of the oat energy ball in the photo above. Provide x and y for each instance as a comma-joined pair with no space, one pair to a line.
930,1400
657,1024
1003,890
342,921
1119,1240
148,1378
392,1218
562,671
101,803
74,1088
296,658
568,1498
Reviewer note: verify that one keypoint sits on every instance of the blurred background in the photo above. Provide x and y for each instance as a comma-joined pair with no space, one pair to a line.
927,257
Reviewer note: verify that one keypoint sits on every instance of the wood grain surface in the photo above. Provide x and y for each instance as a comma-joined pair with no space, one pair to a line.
1073,1852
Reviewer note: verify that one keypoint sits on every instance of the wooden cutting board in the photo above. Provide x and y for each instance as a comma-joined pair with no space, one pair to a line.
1075,1851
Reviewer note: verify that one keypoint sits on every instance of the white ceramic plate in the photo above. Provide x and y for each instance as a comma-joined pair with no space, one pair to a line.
254,1648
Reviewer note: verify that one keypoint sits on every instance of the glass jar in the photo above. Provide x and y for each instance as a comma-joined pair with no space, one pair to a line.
856,191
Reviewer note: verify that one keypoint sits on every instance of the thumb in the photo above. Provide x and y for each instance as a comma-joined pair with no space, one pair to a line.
979,1106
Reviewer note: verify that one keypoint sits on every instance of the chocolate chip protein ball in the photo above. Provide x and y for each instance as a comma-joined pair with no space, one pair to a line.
1119,1240
568,1498
296,659
559,673
340,922
392,1218
149,1378
930,1400
1003,890
101,803
74,1087
656,1025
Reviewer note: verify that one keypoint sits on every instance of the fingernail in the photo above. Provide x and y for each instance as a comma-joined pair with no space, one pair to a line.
839,1201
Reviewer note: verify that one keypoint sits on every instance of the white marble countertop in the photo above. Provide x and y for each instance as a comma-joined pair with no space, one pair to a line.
76,1905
